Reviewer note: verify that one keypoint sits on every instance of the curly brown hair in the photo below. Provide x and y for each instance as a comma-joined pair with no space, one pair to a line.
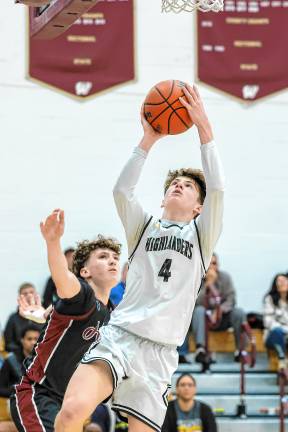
86,247
195,174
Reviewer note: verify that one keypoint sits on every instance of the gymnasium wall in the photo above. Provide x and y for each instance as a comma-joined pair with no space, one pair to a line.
56,152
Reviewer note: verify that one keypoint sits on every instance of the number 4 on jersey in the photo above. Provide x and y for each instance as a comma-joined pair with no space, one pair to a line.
165,270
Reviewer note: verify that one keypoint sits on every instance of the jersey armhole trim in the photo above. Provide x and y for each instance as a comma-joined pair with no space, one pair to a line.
139,240
200,248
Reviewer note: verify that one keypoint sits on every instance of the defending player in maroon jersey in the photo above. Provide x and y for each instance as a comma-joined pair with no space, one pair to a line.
72,325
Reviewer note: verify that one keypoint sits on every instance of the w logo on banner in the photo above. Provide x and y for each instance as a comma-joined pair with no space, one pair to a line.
250,91
82,88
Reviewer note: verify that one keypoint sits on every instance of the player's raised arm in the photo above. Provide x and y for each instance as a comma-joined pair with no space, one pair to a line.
210,219
131,213
67,285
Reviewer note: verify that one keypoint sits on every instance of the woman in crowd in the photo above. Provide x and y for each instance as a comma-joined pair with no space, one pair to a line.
276,317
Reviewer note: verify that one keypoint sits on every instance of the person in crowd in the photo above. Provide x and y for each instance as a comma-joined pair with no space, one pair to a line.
276,317
185,413
220,283
117,292
92,427
16,323
100,420
11,371
50,292
121,424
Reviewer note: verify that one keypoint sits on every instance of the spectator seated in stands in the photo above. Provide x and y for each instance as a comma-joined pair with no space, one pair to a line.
276,318
186,413
221,283
11,371
92,427
121,424
100,420
117,292
50,295
16,323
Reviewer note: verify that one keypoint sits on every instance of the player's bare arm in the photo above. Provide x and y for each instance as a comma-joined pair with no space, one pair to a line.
67,285
196,111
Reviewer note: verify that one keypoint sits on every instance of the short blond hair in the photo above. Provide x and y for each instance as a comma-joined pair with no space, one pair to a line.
86,247
195,174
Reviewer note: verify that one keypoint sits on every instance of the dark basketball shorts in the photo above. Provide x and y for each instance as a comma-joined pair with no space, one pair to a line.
33,408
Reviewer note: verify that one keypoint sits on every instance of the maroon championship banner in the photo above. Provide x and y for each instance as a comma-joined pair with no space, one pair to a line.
94,54
243,50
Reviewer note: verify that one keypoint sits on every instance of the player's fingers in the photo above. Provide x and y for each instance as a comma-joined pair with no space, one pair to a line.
189,96
32,300
185,103
38,300
143,116
24,302
196,91
193,93
61,217
52,218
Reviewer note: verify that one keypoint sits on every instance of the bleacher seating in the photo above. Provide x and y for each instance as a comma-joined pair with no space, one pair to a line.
223,341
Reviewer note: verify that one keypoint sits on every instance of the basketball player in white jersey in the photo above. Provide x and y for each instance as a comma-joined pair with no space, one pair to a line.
137,354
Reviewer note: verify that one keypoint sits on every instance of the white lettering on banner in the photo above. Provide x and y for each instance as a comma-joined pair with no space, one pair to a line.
250,91
82,88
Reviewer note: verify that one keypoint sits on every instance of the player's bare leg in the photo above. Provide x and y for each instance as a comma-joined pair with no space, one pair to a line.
88,387
136,425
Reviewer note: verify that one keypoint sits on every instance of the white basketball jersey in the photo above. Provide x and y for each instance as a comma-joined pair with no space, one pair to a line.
166,266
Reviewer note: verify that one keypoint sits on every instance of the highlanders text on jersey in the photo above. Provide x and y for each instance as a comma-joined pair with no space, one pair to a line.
166,266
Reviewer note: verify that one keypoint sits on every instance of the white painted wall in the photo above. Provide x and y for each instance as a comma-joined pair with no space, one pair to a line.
58,152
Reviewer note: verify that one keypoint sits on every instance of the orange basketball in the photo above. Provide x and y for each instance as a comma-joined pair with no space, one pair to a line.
164,111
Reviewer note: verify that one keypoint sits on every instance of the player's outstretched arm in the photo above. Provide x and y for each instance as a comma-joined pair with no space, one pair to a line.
67,285
211,217
131,213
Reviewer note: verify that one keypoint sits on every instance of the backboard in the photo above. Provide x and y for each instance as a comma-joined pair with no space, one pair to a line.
50,21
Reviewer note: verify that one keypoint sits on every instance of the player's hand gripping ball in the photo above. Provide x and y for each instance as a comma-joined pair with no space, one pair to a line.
163,109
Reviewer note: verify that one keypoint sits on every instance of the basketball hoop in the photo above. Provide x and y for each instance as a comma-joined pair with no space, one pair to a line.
177,6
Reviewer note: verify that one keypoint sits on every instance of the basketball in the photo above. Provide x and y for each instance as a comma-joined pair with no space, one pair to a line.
163,109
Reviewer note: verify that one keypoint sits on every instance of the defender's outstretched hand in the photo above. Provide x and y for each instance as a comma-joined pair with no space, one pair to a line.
196,111
53,227
31,308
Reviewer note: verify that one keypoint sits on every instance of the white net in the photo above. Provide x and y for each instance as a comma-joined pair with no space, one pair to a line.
190,5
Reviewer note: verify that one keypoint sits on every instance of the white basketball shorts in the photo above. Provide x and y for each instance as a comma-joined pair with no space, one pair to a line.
141,371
